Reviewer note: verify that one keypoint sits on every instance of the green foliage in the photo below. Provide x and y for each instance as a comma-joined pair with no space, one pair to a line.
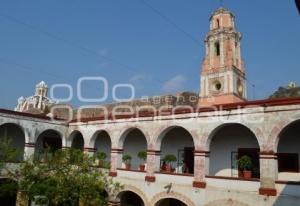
7,153
65,177
245,163
142,155
169,158
127,159
286,92
101,155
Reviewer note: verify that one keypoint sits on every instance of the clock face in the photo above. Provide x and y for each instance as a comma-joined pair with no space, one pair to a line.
240,88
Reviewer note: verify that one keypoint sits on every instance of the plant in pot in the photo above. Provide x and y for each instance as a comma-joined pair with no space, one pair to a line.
169,159
127,161
143,156
101,157
245,164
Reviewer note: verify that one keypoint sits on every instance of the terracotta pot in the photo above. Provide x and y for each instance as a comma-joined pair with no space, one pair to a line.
127,166
247,174
142,168
168,168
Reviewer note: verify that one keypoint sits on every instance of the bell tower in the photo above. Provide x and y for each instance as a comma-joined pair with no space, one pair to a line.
223,73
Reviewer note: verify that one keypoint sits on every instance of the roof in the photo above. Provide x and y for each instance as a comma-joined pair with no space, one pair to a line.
179,110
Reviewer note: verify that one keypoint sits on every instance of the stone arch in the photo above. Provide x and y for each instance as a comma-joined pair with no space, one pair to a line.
160,134
140,193
76,140
226,202
50,135
126,131
209,136
278,130
228,142
94,137
174,195
16,133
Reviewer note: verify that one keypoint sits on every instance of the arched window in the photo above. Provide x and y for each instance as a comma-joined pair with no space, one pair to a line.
218,23
217,48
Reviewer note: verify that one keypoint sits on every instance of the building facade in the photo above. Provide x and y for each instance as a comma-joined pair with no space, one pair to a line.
206,140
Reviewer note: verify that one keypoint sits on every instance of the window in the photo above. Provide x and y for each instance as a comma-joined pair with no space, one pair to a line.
218,23
288,162
217,49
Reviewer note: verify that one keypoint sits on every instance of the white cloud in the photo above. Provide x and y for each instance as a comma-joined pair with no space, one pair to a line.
175,84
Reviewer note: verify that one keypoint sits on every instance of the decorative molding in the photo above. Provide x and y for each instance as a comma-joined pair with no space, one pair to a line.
198,184
30,145
113,174
268,191
150,179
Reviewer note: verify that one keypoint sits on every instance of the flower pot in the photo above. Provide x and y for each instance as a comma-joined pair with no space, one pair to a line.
247,174
168,168
142,168
127,166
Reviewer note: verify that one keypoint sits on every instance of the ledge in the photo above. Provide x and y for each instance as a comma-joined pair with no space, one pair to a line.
175,174
287,182
234,178
131,170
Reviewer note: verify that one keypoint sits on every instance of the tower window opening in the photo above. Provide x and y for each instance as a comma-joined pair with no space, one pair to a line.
217,49
218,23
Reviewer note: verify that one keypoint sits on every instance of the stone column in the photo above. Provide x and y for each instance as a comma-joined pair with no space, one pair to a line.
200,168
29,150
268,173
153,164
116,161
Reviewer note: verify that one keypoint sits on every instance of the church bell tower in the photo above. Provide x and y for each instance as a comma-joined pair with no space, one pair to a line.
223,73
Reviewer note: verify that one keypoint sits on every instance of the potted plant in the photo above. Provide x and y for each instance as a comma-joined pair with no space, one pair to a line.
245,164
127,161
101,157
169,159
143,156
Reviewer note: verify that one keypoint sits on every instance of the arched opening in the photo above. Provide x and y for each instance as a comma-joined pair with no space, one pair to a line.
170,202
288,153
177,142
15,136
134,143
49,139
217,23
128,198
217,48
8,192
78,141
228,144
102,146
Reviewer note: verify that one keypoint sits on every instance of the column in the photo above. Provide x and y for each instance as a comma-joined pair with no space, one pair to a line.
22,199
116,161
29,150
200,168
268,173
153,164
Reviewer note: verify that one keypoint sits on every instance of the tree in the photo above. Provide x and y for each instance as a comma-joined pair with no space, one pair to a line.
65,177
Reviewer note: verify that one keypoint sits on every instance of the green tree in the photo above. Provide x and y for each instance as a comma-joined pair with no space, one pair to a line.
65,177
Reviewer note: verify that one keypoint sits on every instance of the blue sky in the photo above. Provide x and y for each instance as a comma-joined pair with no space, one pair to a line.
59,41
